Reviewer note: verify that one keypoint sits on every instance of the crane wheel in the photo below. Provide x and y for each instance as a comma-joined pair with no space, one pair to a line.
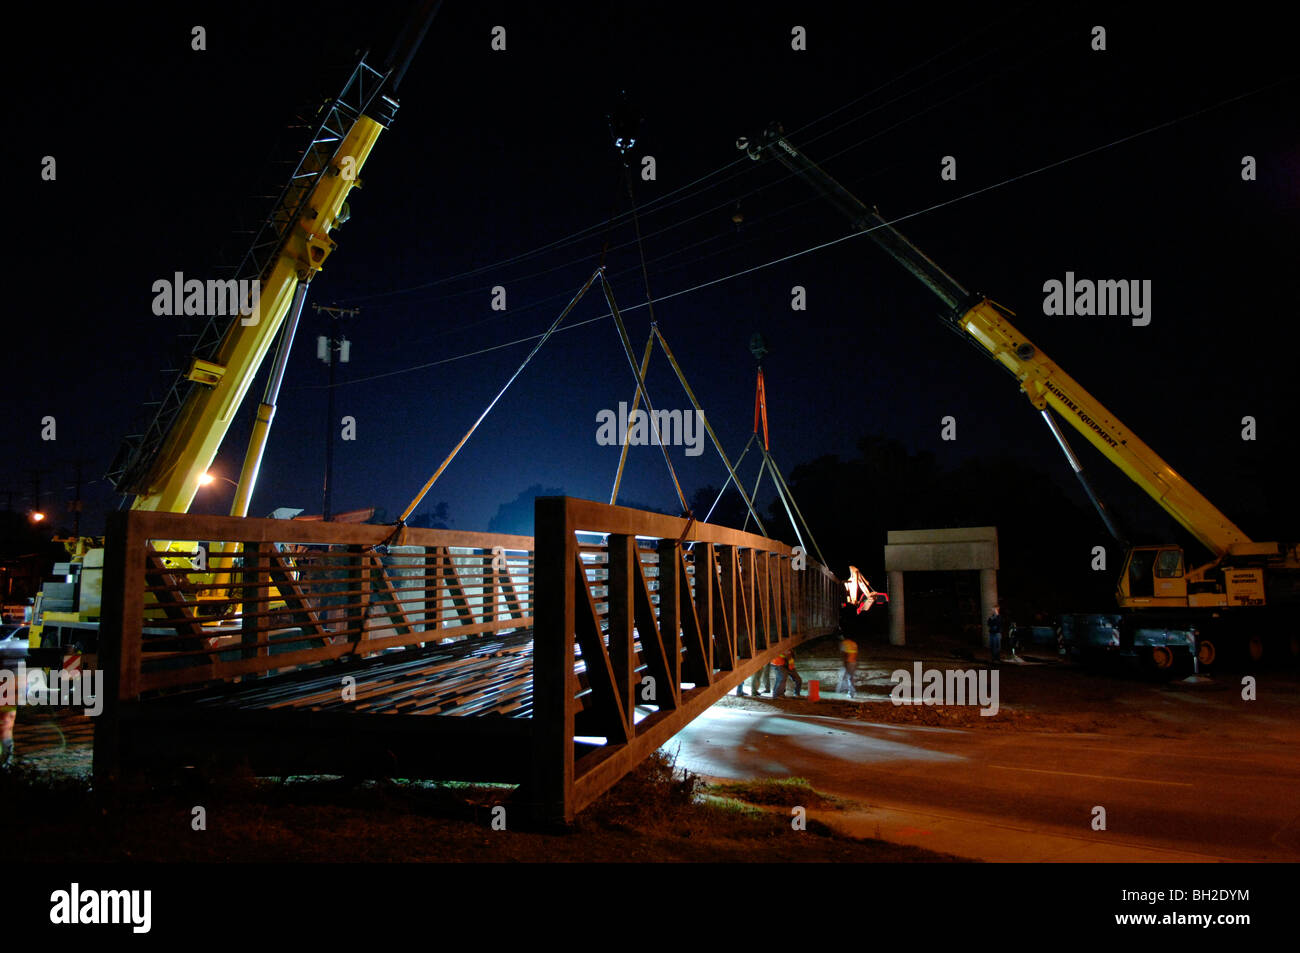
1162,657
1255,648
1205,653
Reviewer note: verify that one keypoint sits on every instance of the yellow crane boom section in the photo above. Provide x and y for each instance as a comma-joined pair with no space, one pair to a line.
1046,385
199,429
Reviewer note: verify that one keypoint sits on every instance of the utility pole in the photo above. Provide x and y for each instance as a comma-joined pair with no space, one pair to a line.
326,348
76,505
37,514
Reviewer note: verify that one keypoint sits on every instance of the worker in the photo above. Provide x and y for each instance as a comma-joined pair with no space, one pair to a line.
849,656
7,715
784,665
995,635
763,677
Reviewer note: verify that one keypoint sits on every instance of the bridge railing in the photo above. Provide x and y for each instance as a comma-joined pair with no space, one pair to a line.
247,597
642,621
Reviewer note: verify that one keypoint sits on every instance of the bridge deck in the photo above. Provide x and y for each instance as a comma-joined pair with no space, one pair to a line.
489,675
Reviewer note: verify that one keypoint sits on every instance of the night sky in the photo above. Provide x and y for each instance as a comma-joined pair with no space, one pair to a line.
496,154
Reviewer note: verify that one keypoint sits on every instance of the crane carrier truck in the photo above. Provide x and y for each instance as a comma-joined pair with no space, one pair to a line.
1244,599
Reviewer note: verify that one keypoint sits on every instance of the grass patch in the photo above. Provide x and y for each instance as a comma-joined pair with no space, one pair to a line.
651,796
727,805
774,792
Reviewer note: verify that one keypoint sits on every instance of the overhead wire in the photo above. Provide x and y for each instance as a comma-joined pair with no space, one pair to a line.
539,303
966,38
542,301
570,239
501,393
681,249
839,240
775,182
662,202
515,312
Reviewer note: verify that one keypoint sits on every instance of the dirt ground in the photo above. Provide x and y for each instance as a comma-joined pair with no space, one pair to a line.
656,814
653,815
1039,691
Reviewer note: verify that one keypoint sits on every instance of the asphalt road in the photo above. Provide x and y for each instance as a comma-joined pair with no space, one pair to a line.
1183,774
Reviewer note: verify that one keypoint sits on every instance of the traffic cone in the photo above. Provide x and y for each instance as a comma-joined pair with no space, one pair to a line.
814,690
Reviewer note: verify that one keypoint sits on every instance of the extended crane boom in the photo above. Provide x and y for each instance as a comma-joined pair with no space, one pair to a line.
1242,575
163,466
1041,379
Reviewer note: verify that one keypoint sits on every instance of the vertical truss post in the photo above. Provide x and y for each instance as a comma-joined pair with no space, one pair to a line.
622,650
556,552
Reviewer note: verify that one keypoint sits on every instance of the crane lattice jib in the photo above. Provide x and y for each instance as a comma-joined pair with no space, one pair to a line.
163,465
289,246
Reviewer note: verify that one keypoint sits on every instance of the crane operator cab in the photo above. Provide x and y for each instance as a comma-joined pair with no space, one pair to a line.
1152,573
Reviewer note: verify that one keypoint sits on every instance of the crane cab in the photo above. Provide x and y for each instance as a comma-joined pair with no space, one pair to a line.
1157,576
1154,576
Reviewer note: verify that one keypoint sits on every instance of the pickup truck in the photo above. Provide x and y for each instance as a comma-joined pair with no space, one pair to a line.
1093,637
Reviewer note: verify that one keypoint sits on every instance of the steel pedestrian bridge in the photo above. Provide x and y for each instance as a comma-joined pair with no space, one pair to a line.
555,662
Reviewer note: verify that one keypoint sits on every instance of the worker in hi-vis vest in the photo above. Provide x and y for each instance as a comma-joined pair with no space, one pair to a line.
759,682
8,714
784,665
849,655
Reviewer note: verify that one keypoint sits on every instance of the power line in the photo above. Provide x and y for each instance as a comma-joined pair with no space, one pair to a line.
569,239
827,244
662,202
560,243
852,102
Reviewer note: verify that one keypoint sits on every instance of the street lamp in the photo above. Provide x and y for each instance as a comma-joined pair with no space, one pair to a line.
207,479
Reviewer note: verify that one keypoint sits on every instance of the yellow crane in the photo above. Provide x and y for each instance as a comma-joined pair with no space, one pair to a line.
163,467
1226,596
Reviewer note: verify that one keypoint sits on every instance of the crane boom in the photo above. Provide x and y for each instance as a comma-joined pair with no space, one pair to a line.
1048,386
197,433
1041,379
163,465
